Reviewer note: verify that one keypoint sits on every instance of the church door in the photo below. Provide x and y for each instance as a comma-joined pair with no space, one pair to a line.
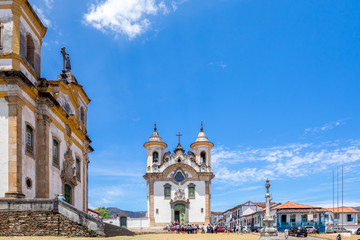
179,213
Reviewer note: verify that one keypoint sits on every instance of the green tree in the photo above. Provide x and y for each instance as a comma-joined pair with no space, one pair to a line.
103,212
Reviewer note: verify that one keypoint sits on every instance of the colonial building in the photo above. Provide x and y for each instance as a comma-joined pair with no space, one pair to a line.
178,184
44,144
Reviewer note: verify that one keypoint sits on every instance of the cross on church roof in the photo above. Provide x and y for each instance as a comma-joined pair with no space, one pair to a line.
179,135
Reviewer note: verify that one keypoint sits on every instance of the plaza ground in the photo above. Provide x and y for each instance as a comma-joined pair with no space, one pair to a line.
184,236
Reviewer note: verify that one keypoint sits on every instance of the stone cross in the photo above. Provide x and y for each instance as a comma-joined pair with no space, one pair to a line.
179,135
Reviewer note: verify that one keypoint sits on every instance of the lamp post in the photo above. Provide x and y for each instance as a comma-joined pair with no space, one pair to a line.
268,232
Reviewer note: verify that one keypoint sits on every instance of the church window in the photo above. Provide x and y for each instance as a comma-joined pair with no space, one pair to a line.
179,177
167,191
1,35
78,168
155,157
82,115
30,50
28,183
191,188
29,139
56,153
68,193
203,157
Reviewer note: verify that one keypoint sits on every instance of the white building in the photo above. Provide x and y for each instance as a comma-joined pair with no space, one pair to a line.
43,131
178,184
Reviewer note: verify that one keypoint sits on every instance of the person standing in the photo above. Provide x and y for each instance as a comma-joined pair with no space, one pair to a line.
338,237
286,232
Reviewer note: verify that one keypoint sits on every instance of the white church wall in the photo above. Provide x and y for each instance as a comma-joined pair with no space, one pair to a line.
78,191
162,204
54,178
7,21
4,133
195,214
28,169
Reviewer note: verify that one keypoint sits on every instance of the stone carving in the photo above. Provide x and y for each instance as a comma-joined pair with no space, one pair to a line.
179,194
68,172
166,156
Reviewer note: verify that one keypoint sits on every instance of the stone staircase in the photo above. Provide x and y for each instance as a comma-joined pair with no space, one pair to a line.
111,230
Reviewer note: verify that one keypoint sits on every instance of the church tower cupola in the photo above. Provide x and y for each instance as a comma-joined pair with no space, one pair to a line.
202,149
155,151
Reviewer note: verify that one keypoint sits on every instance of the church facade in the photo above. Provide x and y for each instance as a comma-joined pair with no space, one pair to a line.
44,144
178,183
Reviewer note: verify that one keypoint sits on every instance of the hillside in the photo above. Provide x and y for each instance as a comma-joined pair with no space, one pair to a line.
115,211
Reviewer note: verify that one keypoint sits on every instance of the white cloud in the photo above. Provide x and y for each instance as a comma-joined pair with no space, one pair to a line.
218,64
128,17
49,3
292,161
324,128
42,16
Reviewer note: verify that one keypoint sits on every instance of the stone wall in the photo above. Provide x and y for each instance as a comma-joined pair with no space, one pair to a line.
40,223
44,217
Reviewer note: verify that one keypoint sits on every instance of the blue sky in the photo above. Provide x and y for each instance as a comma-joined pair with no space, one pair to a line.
275,82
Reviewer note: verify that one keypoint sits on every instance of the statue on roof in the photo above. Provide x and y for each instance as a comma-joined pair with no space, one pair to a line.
66,60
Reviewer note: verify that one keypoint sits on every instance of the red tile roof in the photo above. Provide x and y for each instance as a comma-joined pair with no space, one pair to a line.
340,210
297,207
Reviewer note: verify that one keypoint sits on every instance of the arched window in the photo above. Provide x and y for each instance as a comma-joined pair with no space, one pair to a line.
30,50
1,35
155,157
167,191
29,139
56,153
82,115
78,169
191,188
68,193
203,157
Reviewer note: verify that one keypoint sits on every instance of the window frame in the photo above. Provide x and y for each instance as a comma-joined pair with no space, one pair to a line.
203,157
191,195
78,168
29,148
56,159
167,186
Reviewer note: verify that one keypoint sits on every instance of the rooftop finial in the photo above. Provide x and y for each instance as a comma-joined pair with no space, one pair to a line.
155,127
202,128
179,135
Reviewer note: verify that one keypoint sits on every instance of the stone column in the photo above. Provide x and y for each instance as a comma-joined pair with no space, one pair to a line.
207,202
42,157
15,104
151,203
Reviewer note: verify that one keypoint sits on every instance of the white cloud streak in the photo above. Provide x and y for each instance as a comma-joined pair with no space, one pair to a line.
324,128
127,17
42,16
291,161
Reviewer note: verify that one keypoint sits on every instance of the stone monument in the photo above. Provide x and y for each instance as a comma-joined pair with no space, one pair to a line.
268,232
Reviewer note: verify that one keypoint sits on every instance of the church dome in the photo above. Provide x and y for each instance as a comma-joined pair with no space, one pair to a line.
202,137
155,135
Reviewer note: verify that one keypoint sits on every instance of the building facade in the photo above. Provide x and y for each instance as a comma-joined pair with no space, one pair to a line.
178,184
44,144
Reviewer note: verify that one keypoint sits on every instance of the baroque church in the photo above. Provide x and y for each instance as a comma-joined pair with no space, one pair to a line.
178,183
44,144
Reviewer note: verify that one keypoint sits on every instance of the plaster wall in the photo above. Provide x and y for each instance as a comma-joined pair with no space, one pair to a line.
28,169
4,133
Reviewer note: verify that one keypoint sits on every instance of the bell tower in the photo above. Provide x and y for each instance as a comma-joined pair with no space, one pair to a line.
202,150
21,34
155,151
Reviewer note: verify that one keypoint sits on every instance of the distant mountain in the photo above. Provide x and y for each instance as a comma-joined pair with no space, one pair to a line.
356,208
115,211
